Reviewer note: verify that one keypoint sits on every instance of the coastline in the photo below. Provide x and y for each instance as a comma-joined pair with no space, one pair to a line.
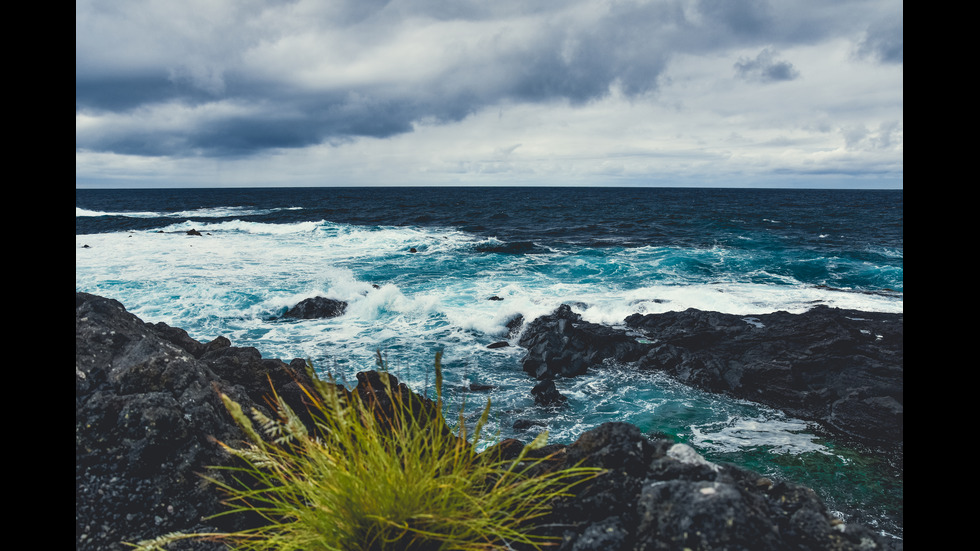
147,417
841,369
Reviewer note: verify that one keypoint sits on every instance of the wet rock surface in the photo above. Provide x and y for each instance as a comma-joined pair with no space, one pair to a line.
146,419
657,494
562,345
147,415
840,368
317,308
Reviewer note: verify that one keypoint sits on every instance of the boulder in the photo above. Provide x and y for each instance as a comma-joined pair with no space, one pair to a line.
562,345
514,325
546,394
317,308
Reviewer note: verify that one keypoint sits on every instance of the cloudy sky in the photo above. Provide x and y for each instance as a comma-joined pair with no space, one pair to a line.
789,93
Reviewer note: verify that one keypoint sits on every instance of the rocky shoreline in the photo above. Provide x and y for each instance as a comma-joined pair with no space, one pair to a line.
147,416
841,369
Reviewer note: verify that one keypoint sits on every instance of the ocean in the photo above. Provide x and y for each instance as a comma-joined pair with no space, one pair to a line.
430,269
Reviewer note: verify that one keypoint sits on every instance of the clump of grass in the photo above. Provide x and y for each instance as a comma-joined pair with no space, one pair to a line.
381,470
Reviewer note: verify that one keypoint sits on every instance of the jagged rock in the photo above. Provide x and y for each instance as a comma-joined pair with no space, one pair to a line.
316,308
146,419
656,494
562,345
546,394
841,368
507,448
376,388
514,325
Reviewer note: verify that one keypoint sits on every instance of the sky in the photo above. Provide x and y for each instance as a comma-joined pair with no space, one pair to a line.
712,93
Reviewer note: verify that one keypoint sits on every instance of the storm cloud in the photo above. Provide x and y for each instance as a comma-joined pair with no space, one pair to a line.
355,70
765,68
191,79
885,40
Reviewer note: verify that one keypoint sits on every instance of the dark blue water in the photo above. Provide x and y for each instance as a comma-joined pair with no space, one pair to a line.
786,228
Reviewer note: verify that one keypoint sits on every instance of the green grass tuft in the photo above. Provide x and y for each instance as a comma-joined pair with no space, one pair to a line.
380,473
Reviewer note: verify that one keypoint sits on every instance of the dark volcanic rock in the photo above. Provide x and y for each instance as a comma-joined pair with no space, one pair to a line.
528,424
376,388
841,368
562,345
317,307
147,413
546,394
656,494
514,325
146,416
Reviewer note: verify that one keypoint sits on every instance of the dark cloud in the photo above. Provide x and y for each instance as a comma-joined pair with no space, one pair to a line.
263,126
884,41
122,92
765,68
562,61
130,62
742,17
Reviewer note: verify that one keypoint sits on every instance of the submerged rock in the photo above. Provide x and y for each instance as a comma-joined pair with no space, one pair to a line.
516,248
546,394
528,424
